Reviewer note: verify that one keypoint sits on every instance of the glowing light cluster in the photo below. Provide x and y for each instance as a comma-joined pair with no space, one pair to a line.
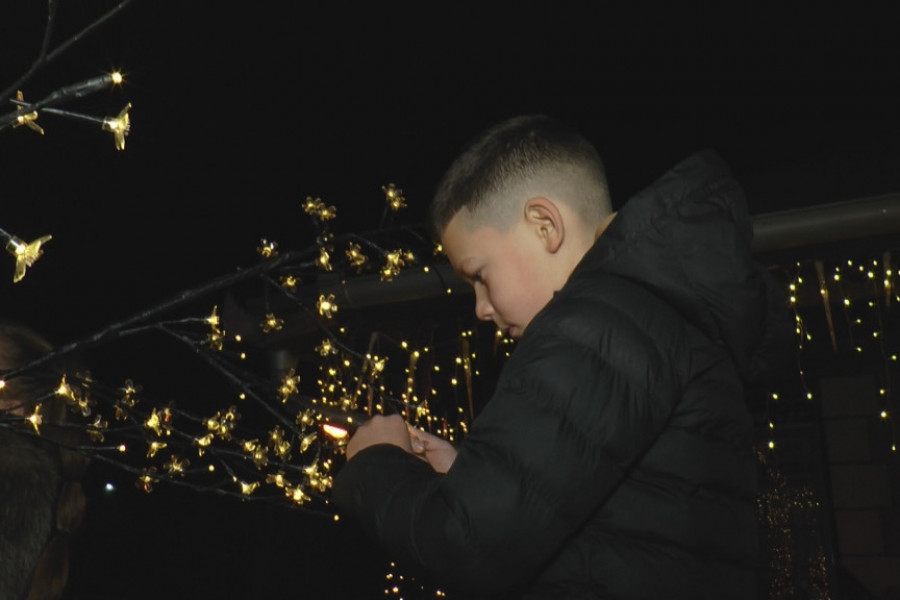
318,209
216,336
292,452
355,257
394,197
394,262
862,293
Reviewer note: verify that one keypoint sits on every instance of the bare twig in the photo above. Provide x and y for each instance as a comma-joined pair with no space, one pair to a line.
44,57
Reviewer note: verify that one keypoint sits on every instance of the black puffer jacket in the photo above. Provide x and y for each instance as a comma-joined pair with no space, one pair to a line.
615,458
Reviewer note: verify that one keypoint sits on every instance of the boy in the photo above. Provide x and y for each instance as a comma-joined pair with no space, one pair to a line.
614,459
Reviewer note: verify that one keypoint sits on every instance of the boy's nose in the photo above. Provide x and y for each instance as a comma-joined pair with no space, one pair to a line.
483,309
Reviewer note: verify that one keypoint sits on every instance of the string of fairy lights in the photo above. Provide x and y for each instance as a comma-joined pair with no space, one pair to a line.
26,113
289,456
280,439
294,453
852,301
844,312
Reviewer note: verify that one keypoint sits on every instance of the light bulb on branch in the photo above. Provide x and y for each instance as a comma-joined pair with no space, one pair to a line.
27,112
25,253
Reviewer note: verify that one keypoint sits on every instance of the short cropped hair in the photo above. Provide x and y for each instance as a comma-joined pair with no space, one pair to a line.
529,150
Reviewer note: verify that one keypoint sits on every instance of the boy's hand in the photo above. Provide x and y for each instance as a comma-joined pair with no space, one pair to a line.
380,429
436,451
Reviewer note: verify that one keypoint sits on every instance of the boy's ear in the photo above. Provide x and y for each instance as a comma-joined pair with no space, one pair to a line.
544,216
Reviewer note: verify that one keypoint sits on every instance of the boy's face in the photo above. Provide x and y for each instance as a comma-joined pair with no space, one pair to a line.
508,271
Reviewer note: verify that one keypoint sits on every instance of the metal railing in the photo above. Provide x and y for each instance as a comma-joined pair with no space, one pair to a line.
782,230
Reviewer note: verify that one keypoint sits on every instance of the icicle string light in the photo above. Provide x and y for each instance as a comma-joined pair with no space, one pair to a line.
826,301
860,289
863,290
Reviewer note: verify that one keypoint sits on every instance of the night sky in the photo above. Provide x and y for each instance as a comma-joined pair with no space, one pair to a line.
239,114
241,111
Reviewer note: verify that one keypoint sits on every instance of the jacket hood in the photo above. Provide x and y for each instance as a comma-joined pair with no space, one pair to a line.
687,238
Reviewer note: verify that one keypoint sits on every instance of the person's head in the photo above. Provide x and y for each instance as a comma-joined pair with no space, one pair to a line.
19,345
41,500
517,211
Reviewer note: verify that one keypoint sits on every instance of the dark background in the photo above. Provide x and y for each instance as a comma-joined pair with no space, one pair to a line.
241,111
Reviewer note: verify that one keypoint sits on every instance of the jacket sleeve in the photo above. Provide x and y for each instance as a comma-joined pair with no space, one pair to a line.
561,431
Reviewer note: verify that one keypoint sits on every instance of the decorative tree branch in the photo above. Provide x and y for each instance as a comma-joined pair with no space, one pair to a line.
44,57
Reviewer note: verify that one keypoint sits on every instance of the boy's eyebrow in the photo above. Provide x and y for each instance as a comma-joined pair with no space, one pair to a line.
463,270
462,274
